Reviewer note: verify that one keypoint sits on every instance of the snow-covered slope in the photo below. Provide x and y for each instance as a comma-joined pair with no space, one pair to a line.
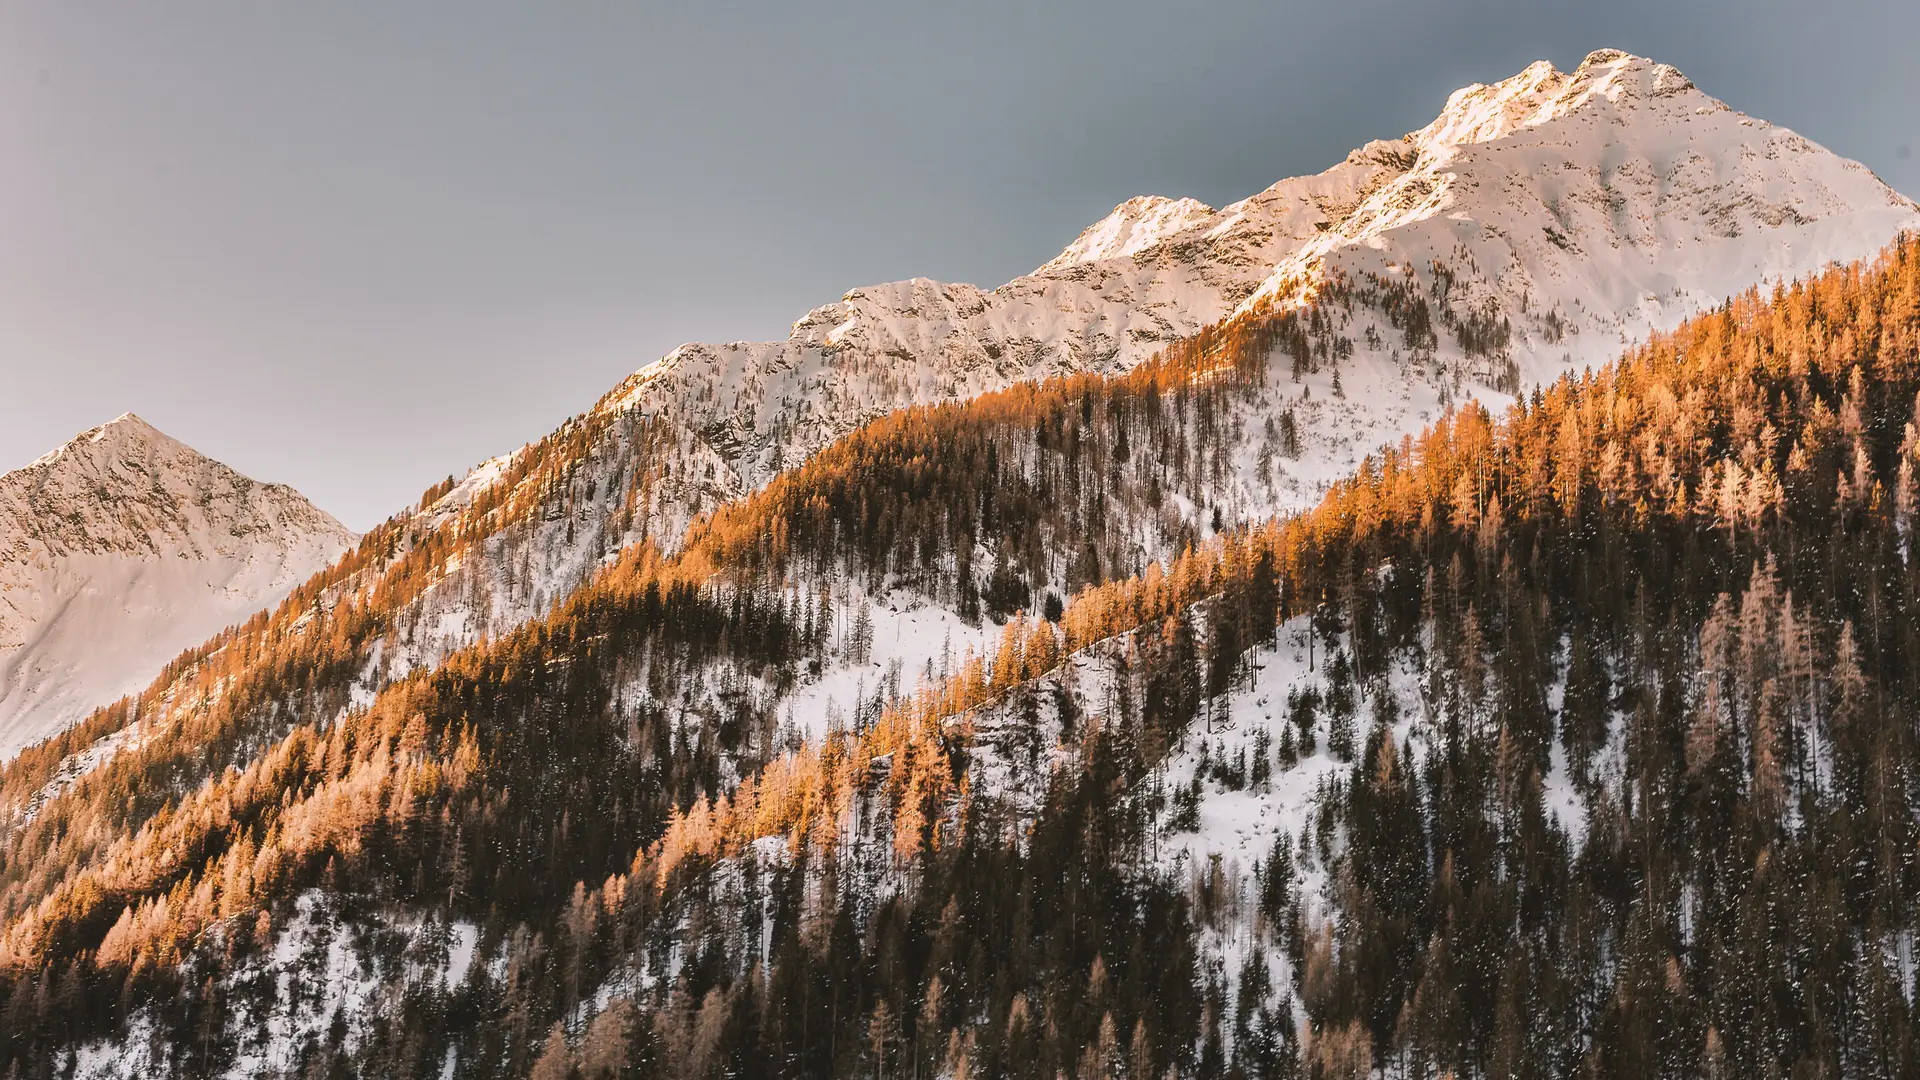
1583,210
124,547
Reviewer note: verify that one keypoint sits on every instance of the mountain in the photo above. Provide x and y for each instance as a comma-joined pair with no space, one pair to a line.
918,695
124,547
1566,214
1536,226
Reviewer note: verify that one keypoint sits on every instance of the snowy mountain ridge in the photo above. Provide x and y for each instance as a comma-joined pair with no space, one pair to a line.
1586,209
1617,192
123,547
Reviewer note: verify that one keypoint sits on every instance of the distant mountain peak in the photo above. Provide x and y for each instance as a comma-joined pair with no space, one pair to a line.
124,546
125,485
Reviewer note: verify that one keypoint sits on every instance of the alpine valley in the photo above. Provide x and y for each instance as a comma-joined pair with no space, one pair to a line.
1450,615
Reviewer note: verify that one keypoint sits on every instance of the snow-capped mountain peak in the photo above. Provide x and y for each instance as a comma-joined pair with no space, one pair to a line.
121,430
124,546
1618,198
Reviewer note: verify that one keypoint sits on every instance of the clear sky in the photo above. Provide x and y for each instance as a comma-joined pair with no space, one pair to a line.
358,246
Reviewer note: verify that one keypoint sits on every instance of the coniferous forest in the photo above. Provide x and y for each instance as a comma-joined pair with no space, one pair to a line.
1601,759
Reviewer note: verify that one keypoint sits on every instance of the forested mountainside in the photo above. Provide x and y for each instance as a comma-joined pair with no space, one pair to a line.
1577,739
124,547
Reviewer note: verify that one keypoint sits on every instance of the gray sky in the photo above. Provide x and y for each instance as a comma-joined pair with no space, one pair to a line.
355,247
